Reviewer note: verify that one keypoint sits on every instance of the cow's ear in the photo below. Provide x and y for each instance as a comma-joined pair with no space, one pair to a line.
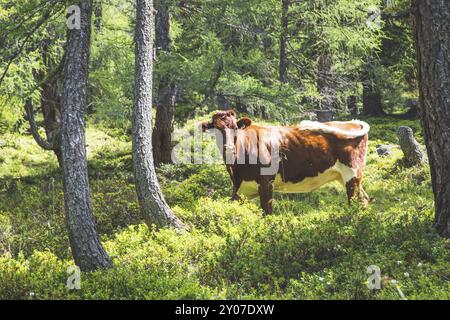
244,123
206,125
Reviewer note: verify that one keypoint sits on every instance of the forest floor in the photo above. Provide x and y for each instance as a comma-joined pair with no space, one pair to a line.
314,246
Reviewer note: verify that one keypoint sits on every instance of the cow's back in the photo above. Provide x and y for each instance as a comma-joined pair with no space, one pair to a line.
308,158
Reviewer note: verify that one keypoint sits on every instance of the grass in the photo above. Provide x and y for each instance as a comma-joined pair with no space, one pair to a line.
314,246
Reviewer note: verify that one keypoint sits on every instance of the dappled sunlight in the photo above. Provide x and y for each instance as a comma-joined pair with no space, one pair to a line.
314,246
21,157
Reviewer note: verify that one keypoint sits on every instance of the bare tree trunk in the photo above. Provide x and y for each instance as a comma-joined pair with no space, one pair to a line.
98,15
372,97
51,110
218,69
372,100
50,105
327,93
283,40
167,90
50,102
431,32
351,104
162,133
153,205
87,250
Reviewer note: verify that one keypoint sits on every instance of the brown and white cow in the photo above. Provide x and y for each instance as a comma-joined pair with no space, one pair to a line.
306,156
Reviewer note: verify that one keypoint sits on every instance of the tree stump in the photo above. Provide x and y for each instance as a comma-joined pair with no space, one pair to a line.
413,155
351,105
324,115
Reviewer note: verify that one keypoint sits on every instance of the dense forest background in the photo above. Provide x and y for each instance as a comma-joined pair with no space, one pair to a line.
276,61
273,59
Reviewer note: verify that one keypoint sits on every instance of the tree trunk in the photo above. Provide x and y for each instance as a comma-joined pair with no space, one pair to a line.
153,205
50,101
50,105
324,87
431,33
283,40
98,15
167,91
324,115
372,100
162,134
372,97
87,250
162,26
51,111
218,69
351,105
413,109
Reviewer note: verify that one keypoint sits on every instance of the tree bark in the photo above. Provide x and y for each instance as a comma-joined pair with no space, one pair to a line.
153,205
351,105
51,111
50,104
283,40
87,250
218,69
372,99
431,33
167,90
42,142
413,106
324,87
98,15
162,133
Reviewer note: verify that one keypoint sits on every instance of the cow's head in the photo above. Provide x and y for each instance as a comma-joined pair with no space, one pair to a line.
223,120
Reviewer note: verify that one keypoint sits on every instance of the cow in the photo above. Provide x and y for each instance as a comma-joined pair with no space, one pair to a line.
262,159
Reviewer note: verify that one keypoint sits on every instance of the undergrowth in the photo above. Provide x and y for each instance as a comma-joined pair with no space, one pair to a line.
314,246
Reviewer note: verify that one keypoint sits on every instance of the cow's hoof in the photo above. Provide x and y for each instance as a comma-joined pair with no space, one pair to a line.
366,203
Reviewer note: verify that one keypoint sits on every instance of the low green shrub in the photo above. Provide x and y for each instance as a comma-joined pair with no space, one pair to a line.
314,246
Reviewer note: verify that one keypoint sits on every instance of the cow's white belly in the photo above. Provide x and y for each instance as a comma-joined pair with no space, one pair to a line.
339,172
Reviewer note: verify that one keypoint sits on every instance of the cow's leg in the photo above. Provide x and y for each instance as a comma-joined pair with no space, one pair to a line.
362,194
266,194
355,190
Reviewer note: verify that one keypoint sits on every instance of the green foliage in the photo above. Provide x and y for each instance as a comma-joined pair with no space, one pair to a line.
224,53
314,246
396,71
26,27
209,181
382,130
112,70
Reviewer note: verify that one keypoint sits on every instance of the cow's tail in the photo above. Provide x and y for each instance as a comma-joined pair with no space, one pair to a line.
339,130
